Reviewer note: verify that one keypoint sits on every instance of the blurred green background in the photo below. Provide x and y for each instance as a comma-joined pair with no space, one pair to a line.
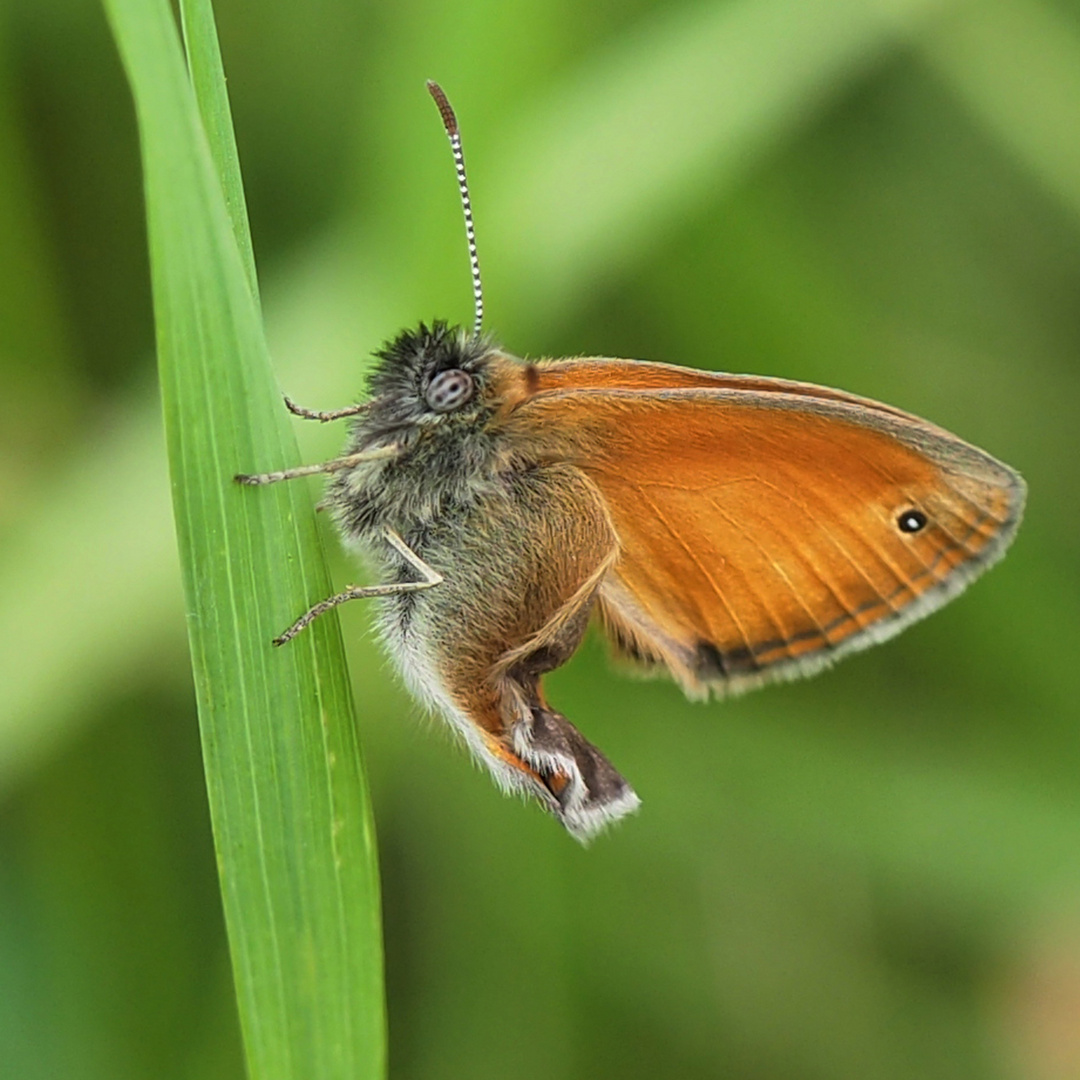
873,874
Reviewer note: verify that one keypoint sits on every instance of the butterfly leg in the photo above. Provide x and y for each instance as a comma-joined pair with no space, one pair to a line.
346,462
362,592
323,417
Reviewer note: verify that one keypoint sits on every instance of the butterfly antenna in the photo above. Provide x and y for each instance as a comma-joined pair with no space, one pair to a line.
450,123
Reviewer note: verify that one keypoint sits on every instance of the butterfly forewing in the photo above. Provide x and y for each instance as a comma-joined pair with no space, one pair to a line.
760,526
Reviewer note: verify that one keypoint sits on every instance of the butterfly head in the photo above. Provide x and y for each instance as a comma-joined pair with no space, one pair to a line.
429,377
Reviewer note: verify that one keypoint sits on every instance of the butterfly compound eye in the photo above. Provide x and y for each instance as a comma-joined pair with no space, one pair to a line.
911,521
449,390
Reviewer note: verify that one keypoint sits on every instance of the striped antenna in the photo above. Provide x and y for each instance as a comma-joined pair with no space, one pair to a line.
450,123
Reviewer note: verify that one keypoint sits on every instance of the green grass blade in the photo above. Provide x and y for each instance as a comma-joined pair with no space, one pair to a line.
208,80
288,797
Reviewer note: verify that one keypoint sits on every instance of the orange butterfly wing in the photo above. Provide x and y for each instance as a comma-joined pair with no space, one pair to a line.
759,519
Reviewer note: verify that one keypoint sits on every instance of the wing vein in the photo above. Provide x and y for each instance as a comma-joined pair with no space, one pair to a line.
704,570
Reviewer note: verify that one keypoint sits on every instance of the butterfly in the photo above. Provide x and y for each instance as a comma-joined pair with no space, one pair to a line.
729,530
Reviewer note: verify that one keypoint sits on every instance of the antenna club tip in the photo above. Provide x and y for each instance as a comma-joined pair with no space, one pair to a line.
445,111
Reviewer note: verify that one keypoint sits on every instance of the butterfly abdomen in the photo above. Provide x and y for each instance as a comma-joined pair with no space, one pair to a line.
521,567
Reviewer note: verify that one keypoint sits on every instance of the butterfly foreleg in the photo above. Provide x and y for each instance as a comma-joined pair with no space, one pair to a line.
323,416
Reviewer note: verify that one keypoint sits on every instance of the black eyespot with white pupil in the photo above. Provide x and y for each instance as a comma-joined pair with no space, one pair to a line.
911,521
449,390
